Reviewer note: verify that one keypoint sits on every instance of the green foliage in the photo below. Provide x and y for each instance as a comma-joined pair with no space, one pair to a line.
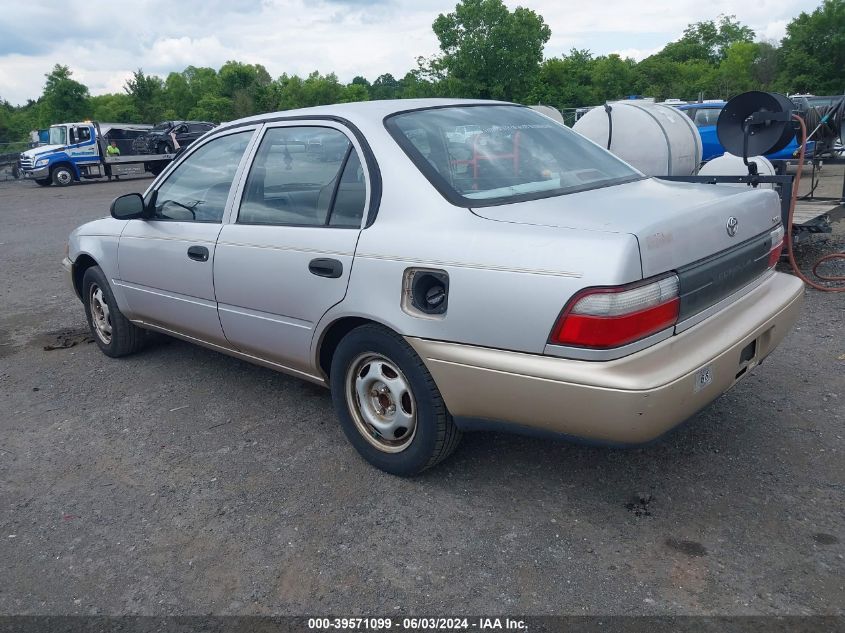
63,99
708,41
147,95
114,108
486,51
812,55
493,52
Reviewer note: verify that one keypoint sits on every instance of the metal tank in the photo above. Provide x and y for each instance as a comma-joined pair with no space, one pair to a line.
657,139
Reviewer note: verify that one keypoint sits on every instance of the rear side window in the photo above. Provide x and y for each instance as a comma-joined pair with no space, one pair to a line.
706,116
304,176
484,155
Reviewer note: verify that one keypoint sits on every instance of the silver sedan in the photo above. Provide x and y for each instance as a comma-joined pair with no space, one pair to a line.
519,277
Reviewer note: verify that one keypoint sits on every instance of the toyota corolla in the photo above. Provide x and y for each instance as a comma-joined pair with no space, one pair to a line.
520,278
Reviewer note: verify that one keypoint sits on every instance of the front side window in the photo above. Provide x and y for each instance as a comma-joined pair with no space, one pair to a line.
483,155
58,135
198,188
304,176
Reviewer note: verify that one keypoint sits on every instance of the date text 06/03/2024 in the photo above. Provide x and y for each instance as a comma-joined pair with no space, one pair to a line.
418,624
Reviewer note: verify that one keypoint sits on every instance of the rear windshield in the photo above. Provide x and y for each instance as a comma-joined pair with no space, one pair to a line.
484,155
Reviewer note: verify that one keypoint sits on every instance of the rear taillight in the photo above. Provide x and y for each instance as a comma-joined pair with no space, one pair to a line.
609,317
777,246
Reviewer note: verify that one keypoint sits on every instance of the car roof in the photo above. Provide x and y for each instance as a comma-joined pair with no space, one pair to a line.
704,104
361,110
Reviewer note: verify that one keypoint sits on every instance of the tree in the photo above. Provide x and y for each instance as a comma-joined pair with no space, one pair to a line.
813,52
355,92
212,108
64,99
493,52
612,77
708,40
178,98
736,72
765,68
115,108
247,85
566,81
147,94
384,87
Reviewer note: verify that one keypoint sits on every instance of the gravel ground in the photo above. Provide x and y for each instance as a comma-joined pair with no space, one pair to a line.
181,481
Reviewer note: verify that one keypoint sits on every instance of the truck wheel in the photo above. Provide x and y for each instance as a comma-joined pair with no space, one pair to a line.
389,407
114,334
163,148
62,176
44,182
155,168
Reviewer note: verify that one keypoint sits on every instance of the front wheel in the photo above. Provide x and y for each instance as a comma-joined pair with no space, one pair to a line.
114,334
388,404
62,176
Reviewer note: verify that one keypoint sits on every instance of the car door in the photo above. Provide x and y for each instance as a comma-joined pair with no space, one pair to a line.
195,130
165,262
82,147
285,257
183,135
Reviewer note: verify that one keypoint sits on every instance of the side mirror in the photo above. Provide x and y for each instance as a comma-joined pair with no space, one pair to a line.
129,206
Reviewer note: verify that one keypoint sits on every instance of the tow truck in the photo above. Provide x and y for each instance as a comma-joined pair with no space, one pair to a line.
77,151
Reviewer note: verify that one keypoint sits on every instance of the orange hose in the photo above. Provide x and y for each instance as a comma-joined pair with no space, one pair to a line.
789,251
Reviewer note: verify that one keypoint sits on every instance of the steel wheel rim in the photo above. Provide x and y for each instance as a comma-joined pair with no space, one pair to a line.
381,402
63,176
100,315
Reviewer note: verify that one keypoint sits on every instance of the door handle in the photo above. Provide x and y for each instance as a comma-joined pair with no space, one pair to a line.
325,267
198,253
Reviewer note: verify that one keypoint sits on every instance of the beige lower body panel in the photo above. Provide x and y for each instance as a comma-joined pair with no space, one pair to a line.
630,400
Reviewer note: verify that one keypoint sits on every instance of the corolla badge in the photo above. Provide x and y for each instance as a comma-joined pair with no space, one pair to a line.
730,227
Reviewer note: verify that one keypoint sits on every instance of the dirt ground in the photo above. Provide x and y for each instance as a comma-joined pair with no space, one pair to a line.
181,481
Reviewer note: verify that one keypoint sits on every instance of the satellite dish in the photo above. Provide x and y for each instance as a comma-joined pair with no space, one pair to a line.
756,123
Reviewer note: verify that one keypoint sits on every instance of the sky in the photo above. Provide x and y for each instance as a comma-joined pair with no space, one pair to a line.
103,42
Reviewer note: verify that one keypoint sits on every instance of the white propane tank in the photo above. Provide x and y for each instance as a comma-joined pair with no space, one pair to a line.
658,140
552,113
730,165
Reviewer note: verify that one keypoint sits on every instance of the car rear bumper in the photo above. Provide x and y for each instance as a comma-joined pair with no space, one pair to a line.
631,400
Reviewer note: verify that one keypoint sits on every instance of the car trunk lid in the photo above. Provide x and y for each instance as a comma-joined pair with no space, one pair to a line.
717,239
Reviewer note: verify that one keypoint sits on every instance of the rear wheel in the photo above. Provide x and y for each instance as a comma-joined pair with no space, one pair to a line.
44,182
156,167
389,406
114,334
62,176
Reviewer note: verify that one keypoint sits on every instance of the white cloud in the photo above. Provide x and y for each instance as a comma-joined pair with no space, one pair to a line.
104,41
637,54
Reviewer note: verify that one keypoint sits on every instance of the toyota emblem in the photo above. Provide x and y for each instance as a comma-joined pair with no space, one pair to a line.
731,226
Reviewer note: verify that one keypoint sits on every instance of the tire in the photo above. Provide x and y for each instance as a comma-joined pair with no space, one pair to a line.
378,362
156,167
62,176
163,148
122,338
44,182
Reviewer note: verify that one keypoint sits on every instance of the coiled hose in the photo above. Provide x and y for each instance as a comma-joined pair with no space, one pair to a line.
789,250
